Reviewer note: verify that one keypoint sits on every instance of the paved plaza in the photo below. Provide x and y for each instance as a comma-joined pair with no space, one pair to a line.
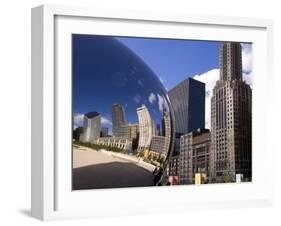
97,169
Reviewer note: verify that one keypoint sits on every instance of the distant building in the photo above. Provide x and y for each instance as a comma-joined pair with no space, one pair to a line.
231,117
158,144
128,131
194,155
145,128
91,126
134,131
161,144
118,119
77,133
168,132
104,132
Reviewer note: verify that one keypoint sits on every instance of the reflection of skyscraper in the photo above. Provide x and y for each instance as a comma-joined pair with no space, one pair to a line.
129,131
77,133
231,117
145,128
168,131
91,126
104,132
188,105
118,119
161,144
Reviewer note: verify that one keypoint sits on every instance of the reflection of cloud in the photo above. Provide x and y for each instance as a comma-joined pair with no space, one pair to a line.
162,80
140,82
209,78
152,98
119,79
105,121
162,103
247,57
137,98
78,119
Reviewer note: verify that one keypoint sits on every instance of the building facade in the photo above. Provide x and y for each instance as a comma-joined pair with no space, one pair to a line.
118,119
188,104
231,118
128,131
91,127
194,155
161,144
145,128
104,132
167,132
158,144
77,133
174,165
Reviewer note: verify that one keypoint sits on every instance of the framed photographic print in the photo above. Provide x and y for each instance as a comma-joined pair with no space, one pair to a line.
137,113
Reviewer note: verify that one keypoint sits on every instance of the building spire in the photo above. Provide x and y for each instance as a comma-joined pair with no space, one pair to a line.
230,61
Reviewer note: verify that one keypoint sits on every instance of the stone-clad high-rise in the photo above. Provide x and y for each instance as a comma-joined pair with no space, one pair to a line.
145,128
91,127
231,118
118,119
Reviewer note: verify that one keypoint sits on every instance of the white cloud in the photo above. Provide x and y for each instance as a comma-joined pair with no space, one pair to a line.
247,57
152,98
248,78
209,78
105,121
137,98
78,119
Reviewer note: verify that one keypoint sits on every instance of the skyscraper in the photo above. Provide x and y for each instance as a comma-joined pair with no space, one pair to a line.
118,119
91,126
145,128
231,118
104,132
188,104
161,144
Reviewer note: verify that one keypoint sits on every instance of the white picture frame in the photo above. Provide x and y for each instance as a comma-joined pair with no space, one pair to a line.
52,197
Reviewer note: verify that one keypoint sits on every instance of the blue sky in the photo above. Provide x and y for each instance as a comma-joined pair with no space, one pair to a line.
124,70
175,60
